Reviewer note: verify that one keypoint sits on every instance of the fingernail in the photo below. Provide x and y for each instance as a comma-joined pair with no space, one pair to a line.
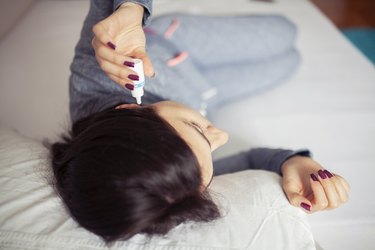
133,77
129,64
313,177
153,75
306,206
322,174
328,173
111,45
129,86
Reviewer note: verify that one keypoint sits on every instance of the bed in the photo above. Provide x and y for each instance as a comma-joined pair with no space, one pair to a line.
328,106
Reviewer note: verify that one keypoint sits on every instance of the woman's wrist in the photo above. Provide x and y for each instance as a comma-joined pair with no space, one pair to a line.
301,162
135,8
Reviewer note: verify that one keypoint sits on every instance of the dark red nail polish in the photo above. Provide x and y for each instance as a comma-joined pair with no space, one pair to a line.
328,173
129,86
322,174
129,64
313,177
306,206
111,45
133,77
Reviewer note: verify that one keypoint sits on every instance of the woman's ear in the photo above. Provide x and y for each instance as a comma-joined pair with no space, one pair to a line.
127,106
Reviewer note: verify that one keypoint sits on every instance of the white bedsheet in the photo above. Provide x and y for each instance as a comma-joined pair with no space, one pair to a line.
328,106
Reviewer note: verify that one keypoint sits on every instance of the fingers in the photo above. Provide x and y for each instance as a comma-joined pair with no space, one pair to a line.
320,200
291,189
344,183
103,52
121,75
102,35
329,191
128,85
298,200
342,187
119,67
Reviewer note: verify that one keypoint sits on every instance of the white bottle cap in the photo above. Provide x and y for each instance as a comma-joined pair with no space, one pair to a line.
138,92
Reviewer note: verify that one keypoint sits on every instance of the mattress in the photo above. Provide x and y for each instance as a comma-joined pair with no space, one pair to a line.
328,106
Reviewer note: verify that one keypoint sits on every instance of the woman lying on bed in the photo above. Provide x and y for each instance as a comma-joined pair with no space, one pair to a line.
127,168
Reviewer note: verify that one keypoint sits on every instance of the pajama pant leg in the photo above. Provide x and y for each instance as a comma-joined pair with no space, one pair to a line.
214,41
236,56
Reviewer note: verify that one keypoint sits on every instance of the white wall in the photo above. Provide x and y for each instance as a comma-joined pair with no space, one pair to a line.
10,12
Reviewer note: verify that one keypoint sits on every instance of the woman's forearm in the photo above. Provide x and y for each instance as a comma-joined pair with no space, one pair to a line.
257,158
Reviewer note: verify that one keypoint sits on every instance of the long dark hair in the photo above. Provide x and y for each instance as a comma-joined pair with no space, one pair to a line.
121,172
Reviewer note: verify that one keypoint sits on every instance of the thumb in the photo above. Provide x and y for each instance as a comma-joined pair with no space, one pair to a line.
102,36
295,198
147,65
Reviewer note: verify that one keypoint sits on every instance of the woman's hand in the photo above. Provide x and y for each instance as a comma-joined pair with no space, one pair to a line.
309,186
117,40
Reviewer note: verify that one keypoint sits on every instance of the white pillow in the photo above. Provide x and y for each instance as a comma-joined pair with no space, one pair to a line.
256,213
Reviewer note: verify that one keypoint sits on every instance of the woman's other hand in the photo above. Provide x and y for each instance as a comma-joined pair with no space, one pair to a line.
310,186
117,40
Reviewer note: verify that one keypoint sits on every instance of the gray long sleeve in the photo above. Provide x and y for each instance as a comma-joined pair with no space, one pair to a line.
258,158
